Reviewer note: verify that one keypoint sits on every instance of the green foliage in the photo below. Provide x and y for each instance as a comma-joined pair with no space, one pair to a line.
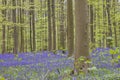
118,57
97,13
1,60
112,76
2,78
116,51
112,52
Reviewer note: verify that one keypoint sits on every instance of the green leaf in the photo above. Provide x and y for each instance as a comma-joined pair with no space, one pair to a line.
112,51
118,57
2,78
117,50
82,58
88,61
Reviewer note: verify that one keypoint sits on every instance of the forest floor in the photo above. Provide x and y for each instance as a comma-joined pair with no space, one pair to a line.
45,65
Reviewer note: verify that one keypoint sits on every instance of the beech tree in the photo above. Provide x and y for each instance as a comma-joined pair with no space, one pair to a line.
32,26
53,25
70,28
81,35
4,2
15,50
62,26
49,26
21,21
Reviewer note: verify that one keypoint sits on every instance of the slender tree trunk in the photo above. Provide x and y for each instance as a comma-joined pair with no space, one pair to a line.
53,25
98,23
81,35
30,16
32,26
114,23
15,51
22,27
91,24
109,40
92,33
70,28
62,31
4,2
104,23
49,27
9,37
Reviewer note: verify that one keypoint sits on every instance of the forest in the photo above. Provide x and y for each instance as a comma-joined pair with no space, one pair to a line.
59,40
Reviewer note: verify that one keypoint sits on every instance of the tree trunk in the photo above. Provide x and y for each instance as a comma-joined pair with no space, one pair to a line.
32,26
91,24
21,27
81,35
70,29
109,34
115,23
49,27
15,51
104,23
53,26
62,31
4,2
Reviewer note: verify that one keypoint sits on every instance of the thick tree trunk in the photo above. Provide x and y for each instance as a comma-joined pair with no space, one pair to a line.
81,35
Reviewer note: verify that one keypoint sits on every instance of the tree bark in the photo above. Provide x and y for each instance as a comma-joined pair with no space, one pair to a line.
70,28
109,34
81,35
21,27
15,50
53,25
32,27
4,2
49,27
62,29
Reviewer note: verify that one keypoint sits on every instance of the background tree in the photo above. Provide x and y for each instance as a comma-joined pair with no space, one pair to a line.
16,31
32,26
62,26
4,2
70,28
109,34
49,27
21,21
53,25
